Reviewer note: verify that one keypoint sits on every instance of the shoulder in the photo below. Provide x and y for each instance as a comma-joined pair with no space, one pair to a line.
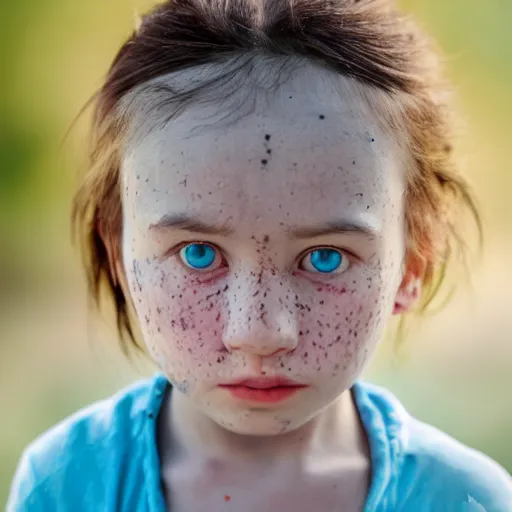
88,447
434,471
455,473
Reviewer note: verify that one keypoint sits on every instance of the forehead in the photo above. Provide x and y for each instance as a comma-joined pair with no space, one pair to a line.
311,149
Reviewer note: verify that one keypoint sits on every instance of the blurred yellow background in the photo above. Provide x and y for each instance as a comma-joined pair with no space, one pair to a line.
456,369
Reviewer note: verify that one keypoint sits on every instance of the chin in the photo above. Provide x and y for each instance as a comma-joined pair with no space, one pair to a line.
257,422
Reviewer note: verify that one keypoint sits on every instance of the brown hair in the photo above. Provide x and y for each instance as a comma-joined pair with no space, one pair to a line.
365,40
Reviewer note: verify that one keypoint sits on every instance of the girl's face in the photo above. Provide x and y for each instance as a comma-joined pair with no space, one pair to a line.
270,245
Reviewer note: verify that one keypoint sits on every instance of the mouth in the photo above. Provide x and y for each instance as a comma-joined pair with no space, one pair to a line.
263,389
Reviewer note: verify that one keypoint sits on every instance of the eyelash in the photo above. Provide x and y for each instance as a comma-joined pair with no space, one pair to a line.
174,252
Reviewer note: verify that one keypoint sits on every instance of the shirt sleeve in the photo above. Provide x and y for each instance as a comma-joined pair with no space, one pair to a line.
24,494
459,481
486,486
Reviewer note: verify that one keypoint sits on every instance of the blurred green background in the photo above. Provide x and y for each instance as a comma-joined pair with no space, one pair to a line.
456,369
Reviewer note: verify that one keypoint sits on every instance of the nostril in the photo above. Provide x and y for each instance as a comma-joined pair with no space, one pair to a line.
270,352
231,348
278,351
256,349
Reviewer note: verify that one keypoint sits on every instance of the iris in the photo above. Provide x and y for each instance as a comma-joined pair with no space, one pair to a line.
325,260
198,256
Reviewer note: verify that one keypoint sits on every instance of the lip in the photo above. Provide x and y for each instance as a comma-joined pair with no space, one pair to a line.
263,389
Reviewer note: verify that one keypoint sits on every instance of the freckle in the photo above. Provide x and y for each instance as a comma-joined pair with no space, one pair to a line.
353,162
269,151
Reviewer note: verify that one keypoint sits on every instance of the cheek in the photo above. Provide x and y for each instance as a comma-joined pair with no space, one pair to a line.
182,320
340,324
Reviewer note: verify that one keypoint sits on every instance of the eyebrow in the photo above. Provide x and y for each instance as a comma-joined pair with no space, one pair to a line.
335,227
186,223
338,226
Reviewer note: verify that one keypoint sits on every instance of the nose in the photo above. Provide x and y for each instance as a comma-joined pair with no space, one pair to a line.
262,319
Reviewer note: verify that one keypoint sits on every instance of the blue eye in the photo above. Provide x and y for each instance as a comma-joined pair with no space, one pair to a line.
326,261
198,256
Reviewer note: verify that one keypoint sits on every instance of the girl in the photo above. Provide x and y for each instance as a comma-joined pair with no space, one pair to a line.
269,182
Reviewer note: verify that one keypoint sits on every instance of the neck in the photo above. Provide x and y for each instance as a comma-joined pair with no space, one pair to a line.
335,432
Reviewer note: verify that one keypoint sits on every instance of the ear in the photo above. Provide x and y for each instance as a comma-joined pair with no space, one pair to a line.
410,288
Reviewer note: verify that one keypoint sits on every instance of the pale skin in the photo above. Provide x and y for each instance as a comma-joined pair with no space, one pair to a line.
311,169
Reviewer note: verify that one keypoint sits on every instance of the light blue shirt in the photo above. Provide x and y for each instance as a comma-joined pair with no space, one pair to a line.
105,458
